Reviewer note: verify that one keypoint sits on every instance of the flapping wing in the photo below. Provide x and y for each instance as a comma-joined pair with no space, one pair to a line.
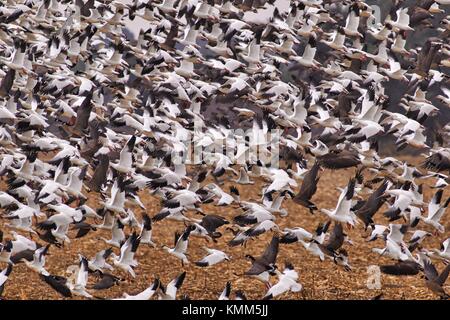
270,255
336,239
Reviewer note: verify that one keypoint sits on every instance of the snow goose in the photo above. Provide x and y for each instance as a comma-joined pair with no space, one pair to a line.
307,59
144,295
393,250
399,44
224,199
395,71
126,260
75,183
443,253
17,58
214,256
125,164
5,251
58,224
378,231
99,261
274,205
170,292
117,234
436,210
4,277
280,180
254,213
446,97
225,295
146,231
287,281
382,32
402,22
352,21
342,212
337,41
253,55
297,234
260,228
243,177
21,219
116,202
183,199
38,262
77,285
181,245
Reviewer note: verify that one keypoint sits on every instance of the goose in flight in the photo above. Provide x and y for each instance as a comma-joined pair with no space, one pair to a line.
436,210
125,164
287,281
126,261
308,188
443,253
435,281
144,295
181,245
214,256
78,285
264,265
307,59
342,212
38,262
170,292
4,277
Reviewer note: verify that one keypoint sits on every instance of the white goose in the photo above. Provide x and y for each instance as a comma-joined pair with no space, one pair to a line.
443,253
307,59
402,22
214,257
181,245
38,262
352,22
99,261
436,210
337,41
243,177
342,212
126,260
144,295
78,287
287,281
125,164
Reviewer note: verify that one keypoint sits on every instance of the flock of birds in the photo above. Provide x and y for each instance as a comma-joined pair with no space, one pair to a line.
87,110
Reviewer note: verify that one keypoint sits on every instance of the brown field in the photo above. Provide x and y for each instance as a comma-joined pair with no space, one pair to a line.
321,280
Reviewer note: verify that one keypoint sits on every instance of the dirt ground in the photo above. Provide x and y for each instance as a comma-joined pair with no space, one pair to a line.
320,280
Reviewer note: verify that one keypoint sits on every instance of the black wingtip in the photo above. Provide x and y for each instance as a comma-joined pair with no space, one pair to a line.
180,279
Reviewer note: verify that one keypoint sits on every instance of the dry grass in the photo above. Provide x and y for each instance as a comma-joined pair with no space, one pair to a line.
321,280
